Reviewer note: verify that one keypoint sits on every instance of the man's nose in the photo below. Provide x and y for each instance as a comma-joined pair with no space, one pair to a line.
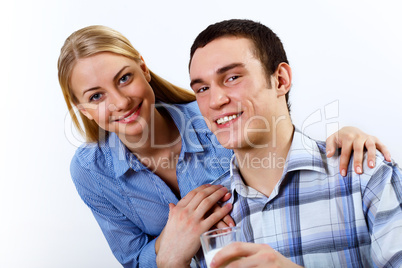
218,97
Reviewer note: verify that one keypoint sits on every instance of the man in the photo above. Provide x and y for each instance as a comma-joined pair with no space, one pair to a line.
288,197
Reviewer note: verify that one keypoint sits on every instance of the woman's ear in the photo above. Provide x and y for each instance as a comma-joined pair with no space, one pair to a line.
283,75
145,69
82,109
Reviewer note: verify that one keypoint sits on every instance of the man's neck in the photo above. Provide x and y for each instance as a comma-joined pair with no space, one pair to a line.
262,168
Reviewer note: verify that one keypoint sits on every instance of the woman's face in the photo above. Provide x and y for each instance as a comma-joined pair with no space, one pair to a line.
114,91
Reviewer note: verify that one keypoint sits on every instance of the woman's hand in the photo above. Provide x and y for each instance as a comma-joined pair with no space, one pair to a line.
241,254
193,215
351,138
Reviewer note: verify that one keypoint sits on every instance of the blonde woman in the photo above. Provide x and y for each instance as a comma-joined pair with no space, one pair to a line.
148,149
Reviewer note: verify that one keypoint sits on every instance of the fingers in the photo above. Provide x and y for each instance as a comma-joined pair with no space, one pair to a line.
358,153
346,152
187,199
384,150
226,197
227,221
370,145
201,206
349,138
217,215
207,198
228,253
234,252
332,144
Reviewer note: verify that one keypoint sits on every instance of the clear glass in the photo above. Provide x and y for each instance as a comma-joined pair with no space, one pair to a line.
214,240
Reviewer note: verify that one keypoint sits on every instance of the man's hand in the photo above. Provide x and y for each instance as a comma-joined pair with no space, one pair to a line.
250,255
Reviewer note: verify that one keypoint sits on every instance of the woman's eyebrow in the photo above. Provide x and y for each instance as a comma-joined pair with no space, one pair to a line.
114,79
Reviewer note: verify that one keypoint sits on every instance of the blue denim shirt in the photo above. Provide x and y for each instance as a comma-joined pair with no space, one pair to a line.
129,202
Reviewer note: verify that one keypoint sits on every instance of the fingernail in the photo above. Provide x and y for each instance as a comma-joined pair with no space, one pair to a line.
359,170
328,152
343,173
389,158
371,164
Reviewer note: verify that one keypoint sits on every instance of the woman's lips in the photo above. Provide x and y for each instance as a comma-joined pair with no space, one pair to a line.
131,116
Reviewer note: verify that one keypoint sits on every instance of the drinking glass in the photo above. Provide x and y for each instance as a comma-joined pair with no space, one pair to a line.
214,240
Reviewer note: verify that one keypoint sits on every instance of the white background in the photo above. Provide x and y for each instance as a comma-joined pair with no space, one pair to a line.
347,52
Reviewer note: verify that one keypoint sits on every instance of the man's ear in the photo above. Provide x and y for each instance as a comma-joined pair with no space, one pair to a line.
82,109
145,69
283,77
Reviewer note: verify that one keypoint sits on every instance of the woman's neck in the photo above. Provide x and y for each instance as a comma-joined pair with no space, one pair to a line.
163,136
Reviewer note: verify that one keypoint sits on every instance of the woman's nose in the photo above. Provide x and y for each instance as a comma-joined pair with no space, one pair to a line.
120,101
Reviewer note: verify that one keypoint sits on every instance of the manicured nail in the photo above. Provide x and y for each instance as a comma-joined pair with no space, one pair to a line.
359,170
371,163
388,158
343,173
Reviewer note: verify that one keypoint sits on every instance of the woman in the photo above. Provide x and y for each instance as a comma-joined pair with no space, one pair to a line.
147,145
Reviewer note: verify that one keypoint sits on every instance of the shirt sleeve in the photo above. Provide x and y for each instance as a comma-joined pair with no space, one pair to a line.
129,244
382,200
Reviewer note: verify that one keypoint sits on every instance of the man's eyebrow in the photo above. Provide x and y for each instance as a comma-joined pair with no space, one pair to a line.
221,70
195,81
114,79
226,68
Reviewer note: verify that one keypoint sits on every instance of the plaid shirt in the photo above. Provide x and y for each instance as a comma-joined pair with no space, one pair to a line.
318,218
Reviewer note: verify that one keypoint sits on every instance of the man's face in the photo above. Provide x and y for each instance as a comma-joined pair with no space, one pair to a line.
233,93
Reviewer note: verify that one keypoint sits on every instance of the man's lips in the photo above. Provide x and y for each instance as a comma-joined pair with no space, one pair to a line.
227,118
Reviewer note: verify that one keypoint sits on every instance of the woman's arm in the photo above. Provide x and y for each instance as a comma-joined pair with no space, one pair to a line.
129,244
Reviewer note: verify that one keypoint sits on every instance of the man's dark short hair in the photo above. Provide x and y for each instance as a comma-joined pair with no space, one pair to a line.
268,47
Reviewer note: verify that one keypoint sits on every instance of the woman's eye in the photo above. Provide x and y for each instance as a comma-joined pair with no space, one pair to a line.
124,78
95,97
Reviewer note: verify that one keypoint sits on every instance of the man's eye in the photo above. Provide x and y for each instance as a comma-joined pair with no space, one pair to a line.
124,78
95,97
202,89
232,78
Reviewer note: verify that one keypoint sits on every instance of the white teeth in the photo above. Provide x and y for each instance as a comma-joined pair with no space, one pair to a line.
125,118
129,115
226,119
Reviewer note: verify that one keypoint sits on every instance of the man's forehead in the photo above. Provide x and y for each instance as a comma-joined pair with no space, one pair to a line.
222,52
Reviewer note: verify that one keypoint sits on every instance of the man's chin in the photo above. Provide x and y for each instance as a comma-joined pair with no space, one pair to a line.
230,144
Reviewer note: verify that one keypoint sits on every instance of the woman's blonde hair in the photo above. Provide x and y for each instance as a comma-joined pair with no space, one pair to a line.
96,39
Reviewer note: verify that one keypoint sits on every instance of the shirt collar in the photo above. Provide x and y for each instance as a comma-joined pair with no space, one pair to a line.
119,153
304,154
237,183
